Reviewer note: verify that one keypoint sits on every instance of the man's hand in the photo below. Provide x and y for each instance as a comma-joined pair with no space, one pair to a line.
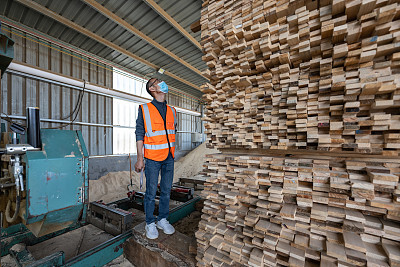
139,165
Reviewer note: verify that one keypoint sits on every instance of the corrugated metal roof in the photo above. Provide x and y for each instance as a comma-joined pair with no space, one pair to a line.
137,13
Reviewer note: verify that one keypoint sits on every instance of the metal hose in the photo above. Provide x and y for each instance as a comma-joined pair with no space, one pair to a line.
14,217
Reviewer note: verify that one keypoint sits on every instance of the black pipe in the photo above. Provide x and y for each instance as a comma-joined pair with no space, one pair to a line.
33,127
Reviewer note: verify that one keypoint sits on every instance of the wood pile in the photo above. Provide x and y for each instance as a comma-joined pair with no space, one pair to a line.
303,74
288,78
269,210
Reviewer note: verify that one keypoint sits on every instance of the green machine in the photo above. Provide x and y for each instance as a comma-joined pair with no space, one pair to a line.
56,182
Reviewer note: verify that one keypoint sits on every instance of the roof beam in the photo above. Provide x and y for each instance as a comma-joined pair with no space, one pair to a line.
129,27
173,22
47,12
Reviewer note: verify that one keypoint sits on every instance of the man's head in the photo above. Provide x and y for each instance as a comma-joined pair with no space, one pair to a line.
156,86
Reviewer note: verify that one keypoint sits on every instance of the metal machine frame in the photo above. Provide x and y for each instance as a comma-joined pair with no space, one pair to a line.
97,256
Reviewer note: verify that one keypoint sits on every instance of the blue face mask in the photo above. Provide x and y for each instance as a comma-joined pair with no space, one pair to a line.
163,87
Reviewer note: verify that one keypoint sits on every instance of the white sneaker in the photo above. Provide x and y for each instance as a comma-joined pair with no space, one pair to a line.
151,231
165,226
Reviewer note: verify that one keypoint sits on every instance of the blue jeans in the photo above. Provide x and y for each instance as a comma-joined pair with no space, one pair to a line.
152,171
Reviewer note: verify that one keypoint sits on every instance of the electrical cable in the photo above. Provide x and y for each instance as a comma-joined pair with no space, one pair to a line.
80,103
77,103
76,110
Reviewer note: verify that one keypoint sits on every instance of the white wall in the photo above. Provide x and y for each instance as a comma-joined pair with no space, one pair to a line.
125,112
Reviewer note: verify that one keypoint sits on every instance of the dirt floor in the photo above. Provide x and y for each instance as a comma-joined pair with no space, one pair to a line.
190,224
121,261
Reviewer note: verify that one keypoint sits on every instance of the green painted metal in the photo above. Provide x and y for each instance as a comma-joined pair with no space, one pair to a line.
56,186
57,181
112,249
25,258
13,235
97,256
56,259
183,210
102,254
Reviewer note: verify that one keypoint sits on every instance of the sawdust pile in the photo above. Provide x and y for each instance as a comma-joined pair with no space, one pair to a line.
192,163
113,186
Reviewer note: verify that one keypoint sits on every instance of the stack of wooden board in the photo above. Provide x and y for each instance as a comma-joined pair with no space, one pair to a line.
270,210
303,74
289,77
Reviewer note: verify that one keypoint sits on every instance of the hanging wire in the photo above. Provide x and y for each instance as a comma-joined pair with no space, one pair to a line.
76,110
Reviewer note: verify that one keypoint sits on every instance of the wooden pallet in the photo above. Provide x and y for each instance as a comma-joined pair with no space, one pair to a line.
303,100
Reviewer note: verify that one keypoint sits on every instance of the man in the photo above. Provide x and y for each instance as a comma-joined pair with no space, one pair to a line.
155,132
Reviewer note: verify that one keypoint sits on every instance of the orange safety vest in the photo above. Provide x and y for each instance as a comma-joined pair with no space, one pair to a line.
160,136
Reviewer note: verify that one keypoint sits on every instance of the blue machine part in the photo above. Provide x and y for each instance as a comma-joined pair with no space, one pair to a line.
56,182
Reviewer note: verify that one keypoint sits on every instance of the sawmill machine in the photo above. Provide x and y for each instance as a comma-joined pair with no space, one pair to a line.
44,181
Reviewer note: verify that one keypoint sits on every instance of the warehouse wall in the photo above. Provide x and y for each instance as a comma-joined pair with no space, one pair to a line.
56,102
187,125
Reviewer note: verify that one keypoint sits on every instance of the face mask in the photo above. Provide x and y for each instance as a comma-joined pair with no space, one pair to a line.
163,87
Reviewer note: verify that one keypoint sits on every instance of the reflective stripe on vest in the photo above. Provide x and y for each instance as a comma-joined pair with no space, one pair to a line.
156,133
156,147
147,118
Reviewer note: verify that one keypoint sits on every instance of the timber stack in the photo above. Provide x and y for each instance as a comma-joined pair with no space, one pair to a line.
304,103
